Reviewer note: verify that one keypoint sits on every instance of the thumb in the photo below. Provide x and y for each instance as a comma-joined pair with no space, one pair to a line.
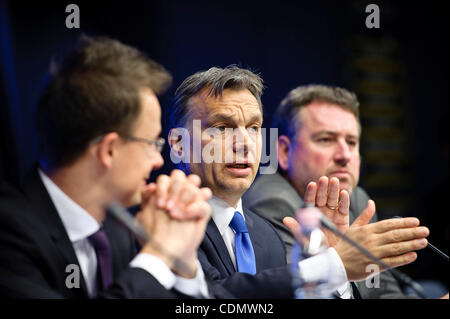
366,215
293,226
148,191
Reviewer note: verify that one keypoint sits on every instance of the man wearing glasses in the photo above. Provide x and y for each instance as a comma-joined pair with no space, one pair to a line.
98,123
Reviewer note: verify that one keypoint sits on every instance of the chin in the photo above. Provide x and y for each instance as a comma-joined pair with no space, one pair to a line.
239,186
134,200
349,188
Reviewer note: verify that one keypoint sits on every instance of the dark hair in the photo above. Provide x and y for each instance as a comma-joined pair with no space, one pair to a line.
286,116
93,90
216,79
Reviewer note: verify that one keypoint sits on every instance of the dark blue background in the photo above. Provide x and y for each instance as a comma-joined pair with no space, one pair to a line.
289,42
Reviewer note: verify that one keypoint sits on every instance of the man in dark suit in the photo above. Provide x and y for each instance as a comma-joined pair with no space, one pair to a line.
319,133
213,104
215,133
98,123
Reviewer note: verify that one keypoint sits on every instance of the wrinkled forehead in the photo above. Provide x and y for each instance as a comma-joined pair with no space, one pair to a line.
232,104
324,116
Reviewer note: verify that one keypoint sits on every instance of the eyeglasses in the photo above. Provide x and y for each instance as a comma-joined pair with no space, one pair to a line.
158,143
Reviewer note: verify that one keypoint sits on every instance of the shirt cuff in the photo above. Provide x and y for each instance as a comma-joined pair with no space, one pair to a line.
156,267
345,291
326,266
195,287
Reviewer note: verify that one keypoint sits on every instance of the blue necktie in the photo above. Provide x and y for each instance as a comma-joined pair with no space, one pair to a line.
245,256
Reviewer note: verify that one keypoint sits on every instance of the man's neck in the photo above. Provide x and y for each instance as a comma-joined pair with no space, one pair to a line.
231,200
79,185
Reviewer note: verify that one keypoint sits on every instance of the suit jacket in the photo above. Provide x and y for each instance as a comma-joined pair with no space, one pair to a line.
35,251
272,279
273,197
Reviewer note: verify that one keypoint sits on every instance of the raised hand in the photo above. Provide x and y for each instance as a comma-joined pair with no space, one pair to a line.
393,241
334,204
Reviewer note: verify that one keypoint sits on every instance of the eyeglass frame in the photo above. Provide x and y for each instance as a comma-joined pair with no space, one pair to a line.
158,143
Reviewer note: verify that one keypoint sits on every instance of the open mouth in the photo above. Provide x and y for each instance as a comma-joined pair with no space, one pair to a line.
239,169
238,165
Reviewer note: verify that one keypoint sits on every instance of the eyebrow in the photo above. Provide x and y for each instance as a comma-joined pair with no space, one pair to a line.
229,118
220,117
333,134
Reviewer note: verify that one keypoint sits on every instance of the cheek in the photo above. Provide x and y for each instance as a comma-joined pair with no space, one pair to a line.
255,150
314,161
356,165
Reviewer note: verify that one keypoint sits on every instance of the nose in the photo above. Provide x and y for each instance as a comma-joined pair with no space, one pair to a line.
157,162
342,154
240,141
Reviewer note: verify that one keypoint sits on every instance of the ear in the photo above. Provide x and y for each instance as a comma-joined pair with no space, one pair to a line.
107,149
284,143
176,142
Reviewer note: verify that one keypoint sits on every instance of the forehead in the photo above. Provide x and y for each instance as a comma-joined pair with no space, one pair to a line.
232,103
325,116
149,121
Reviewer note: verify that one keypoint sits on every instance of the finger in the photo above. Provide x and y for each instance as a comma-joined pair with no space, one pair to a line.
187,194
404,234
138,216
397,249
395,223
178,180
333,193
322,192
310,194
194,179
344,203
293,226
197,209
148,191
366,215
162,187
206,193
401,260
146,219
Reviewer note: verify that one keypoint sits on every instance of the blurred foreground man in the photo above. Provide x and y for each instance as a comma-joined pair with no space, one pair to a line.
98,124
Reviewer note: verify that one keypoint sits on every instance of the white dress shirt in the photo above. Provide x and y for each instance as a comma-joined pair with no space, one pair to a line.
325,265
79,225
222,214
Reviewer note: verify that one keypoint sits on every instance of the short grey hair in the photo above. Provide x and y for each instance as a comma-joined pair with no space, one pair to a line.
286,116
216,79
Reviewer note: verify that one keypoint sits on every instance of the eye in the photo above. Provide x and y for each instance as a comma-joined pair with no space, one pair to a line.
254,129
324,140
352,143
221,128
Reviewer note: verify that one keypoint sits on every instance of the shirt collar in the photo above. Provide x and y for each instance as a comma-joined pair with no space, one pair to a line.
78,223
222,213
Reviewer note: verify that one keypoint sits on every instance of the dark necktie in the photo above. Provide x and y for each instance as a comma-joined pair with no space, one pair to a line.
355,290
103,251
245,256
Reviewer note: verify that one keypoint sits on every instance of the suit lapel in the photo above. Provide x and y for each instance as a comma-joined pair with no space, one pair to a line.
43,206
213,234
